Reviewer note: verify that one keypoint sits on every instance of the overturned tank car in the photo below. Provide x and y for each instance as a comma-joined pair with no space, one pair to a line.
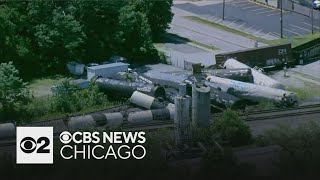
251,91
127,88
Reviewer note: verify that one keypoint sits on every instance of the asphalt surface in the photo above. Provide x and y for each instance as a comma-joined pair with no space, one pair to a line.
243,13
208,35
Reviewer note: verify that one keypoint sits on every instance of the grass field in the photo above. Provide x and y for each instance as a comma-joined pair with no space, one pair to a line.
42,87
305,93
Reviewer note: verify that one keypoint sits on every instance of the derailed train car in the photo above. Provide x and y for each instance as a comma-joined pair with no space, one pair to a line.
239,74
258,77
251,91
127,88
263,57
307,52
217,97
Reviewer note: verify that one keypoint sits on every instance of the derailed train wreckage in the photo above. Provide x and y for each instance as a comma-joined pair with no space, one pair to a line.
153,92
154,89
228,86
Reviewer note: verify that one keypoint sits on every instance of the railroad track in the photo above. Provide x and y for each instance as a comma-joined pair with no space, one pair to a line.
278,113
275,113
52,122
249,117
148,126
254,115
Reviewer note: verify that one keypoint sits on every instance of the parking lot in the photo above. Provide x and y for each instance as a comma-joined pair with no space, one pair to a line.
252,17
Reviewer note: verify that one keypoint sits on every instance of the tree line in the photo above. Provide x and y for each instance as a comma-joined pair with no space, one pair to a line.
41,36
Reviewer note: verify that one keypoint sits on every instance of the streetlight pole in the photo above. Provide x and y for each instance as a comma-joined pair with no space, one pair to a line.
281,23
312,20
223,7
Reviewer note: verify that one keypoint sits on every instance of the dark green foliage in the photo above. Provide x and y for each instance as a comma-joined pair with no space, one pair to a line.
224,165
41,36
162,57
231,129
227,130
300,149
69,98
158,13
13,91
65,97
134,29
206,136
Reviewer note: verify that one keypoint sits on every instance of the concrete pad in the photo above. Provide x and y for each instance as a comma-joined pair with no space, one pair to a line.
312,69
304,80
253,16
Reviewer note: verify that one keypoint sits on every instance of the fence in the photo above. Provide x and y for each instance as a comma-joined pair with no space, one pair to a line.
175,60
302,7
185,60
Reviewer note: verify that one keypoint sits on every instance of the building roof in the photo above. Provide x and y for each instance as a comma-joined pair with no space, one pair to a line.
107,66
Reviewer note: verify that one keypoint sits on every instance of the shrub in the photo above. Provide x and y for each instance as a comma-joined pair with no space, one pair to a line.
300,149
13,91
65,97
37,107
162,57
91,97
231,129
69,98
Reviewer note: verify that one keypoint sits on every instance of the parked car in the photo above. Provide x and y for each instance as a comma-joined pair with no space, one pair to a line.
115,59
92,64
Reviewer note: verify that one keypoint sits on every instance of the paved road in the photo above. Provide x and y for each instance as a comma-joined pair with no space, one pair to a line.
205,34
243,13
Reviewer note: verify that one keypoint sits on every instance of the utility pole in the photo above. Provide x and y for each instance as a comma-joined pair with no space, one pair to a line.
312,20
281,23
223,7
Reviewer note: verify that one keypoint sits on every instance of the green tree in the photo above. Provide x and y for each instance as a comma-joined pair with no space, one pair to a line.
299,156
68,97
65,97
13,90
56,33
134,34
231,129
12,43
100,23
158,13
42,35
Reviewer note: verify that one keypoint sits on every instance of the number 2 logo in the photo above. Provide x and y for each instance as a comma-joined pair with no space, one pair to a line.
29,145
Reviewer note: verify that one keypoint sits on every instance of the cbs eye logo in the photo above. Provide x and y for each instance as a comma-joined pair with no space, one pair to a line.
34,145
29,145
65,137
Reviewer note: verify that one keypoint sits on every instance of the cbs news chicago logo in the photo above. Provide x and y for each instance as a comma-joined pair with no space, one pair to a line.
34,145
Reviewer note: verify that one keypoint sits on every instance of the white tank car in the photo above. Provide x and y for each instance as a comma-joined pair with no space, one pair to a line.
251,91
97,119
165,114
258,78
146,101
